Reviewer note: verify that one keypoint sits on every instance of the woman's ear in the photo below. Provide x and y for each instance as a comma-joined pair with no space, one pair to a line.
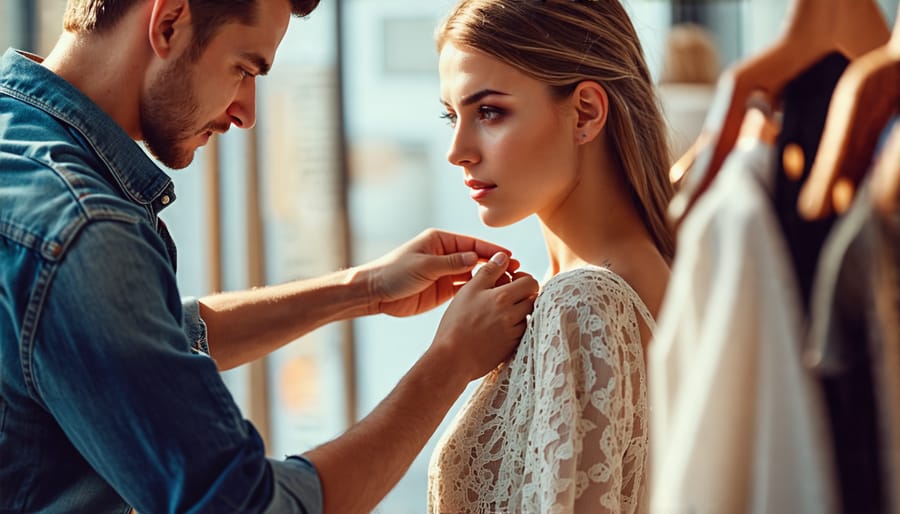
591,106
170,22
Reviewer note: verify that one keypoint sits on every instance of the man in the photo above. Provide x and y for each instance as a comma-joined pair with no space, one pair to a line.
110,396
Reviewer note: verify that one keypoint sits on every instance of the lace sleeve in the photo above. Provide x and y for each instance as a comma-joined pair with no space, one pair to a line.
587,441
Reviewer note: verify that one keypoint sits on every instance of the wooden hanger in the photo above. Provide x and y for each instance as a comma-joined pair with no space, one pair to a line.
865,98
815,28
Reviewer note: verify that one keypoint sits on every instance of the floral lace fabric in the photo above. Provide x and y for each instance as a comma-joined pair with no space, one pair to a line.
562,427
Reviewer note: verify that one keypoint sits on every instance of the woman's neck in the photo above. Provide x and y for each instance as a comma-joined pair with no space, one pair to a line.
593,224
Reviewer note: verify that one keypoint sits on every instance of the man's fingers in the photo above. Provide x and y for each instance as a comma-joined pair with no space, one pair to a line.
518,274
522,309
491,271
522,287
452,242
466,251
457,266
519,328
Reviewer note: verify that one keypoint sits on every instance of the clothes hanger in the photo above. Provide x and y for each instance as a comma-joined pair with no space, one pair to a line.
866,97
814,29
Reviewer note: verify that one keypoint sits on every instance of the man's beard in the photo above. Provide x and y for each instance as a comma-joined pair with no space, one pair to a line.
169,114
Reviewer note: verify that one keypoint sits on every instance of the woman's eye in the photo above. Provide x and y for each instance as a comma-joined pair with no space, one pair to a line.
450,117
488,113
485,113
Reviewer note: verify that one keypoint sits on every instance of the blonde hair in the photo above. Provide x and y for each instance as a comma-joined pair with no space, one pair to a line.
565,42
690,56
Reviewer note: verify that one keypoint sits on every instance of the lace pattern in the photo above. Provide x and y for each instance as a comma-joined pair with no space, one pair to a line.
562,427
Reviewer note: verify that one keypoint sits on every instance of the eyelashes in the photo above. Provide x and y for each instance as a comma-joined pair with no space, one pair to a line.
449,118
486,113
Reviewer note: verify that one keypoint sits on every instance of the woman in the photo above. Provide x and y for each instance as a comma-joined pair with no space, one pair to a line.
554,114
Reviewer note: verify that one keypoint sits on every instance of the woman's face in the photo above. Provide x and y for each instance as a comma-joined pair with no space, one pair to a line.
515,143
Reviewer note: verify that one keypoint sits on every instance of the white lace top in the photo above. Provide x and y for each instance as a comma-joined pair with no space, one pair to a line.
562,427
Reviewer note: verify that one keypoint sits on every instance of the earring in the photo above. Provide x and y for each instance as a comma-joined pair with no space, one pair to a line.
583,135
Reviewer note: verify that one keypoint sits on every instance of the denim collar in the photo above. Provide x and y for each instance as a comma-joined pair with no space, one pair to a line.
22,77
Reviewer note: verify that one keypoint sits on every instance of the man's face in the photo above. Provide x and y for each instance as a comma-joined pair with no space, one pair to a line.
170,115
191,99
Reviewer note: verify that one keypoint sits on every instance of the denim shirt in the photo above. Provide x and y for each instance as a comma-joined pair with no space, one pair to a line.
108,398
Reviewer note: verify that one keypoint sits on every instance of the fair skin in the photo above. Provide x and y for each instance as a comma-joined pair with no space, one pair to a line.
523,152
147,85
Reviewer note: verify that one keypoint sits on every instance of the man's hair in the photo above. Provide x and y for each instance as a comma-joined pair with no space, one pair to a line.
98,16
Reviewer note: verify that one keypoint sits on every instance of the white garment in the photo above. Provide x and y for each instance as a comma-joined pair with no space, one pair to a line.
562,427
736,424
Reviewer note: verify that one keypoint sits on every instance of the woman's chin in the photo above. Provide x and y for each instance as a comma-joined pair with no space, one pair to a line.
493,220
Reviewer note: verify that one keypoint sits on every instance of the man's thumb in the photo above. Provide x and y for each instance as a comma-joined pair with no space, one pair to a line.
488,274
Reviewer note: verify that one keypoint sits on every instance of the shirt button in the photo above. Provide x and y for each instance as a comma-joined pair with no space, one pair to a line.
165,200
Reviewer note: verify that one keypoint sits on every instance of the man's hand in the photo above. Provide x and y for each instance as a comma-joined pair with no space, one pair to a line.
485,322
478,331
426,271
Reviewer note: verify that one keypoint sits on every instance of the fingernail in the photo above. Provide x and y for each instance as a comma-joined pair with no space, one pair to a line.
499,258
469,258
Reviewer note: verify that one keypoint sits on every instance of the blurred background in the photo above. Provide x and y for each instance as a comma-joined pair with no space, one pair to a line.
348,160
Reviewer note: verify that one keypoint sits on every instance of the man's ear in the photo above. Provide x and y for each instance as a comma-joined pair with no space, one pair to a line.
170,26
591,106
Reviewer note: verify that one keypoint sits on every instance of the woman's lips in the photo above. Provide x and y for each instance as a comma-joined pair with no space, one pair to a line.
479,190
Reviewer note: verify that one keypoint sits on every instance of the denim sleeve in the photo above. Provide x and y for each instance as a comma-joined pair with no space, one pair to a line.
194,326
297,487
112,362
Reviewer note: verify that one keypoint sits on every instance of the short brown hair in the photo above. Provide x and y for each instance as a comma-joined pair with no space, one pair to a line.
97,16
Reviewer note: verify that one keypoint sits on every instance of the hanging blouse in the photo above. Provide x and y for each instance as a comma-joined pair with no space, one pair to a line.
736,422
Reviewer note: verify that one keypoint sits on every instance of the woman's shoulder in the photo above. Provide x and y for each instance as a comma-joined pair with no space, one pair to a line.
584,279
647,272
635,279
599,286
636,276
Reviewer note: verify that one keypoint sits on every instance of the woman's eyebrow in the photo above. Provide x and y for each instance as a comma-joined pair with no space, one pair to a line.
475,97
